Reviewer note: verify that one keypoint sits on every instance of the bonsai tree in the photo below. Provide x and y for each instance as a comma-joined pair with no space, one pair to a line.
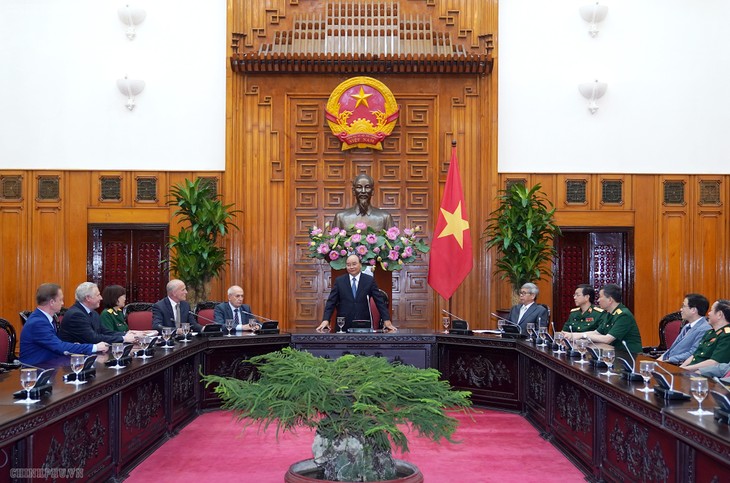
355,404
197,255
522,230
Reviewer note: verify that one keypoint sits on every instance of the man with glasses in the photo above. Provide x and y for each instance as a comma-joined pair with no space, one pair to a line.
693,310
586,316
527,311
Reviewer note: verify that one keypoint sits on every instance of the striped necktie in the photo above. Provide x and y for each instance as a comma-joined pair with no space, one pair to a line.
354,287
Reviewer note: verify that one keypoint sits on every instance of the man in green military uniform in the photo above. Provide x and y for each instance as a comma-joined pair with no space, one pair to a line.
618,326
714,347
586,316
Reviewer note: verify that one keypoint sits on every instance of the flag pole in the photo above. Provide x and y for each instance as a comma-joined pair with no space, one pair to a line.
453,146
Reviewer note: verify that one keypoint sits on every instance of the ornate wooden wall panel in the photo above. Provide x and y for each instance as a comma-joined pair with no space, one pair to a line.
321,186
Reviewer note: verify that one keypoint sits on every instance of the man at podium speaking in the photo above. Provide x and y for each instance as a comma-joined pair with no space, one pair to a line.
350,296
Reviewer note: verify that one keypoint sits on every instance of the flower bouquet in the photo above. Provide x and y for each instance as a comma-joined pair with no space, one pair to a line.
391,248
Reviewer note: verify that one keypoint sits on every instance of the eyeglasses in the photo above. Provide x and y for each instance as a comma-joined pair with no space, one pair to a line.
522,292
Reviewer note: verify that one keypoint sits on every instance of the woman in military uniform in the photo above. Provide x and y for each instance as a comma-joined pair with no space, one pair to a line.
586,316
714,347
113,298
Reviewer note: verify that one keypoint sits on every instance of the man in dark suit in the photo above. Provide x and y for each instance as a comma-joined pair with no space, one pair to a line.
82,323
173,310
350,296
527,311
234,309
39,342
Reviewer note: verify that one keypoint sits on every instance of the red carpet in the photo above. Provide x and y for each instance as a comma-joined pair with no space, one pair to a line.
497,446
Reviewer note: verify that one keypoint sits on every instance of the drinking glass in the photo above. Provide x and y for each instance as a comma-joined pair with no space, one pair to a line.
255,326
559,336
117,351
28,376
542,334
581,346
646,368
530,330
185,326
340,324
144,343
607,356
166,335
229,326
77,363
445,321
500,325
698,386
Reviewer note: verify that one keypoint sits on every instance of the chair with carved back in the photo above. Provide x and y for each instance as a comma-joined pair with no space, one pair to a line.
7,342
669,328
138,315
206,312
24,316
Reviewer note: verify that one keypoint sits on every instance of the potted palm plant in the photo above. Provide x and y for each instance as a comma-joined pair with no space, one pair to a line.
355,404
522,230
196,252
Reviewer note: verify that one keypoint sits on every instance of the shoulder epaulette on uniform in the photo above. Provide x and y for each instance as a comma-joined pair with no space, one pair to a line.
727,329
598,309
573,310
111,311
618,312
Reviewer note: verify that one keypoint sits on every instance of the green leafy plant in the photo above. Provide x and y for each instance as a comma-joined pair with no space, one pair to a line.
351,398
522,230
197,255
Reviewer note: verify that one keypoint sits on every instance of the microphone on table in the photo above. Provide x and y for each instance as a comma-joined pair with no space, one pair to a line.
202,317
668,393
257,316
508,322
456,317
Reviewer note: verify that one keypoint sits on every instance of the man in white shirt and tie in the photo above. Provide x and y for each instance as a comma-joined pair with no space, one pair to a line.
350,296
234,309
174,310
527,311
693,310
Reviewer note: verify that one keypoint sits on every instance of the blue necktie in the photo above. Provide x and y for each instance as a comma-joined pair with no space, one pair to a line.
683,332
354,288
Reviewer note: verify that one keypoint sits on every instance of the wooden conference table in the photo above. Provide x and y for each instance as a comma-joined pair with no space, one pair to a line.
611,431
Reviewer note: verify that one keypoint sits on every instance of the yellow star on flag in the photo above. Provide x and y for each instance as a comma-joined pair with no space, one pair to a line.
362,98
455,225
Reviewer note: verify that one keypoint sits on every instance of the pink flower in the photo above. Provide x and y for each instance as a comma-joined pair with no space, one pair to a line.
393,255
376,249
323,249
371,238
316,231
334,231
372,262
334,255
343,233
343,252
392,233
361,250
360,226
347,244
356,238
332,241
407,252
408,232
385,264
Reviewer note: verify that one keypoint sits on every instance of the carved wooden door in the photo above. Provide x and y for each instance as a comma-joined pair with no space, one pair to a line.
593,257
129,256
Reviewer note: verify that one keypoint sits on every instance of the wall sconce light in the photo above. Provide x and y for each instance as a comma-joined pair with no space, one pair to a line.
130,88
131,17
593,14
592,91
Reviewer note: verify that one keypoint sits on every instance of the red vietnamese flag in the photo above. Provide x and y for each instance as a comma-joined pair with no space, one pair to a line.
451,255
